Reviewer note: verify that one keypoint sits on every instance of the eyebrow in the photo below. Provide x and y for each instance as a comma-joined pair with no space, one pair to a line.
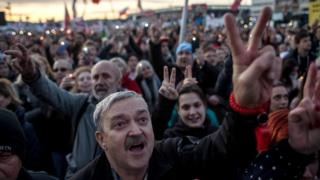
120,116
142,111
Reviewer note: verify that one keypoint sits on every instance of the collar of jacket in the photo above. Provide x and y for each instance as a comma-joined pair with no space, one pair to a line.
158,167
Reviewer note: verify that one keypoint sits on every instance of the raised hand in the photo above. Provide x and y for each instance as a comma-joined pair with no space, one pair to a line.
188,79
67,82
304,120
168,88
254,69
22,62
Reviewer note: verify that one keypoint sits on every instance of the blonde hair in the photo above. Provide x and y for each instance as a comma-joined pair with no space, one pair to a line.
141,65
76,73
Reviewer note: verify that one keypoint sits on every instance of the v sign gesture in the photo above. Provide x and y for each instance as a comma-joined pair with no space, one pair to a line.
168,87
304,121
254,69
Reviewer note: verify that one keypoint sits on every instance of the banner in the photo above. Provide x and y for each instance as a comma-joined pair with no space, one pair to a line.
314,12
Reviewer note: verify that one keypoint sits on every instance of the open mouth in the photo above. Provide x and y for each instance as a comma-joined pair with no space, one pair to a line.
137,147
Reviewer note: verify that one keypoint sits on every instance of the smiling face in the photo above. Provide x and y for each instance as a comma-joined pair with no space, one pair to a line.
191,110
84,81
127,136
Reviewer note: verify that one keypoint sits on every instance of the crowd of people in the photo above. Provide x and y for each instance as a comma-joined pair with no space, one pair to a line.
226,103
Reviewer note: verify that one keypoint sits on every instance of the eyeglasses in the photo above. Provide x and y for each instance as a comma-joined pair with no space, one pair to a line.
60,69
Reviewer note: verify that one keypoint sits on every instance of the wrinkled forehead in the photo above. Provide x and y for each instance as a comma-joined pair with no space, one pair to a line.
131,106
104,67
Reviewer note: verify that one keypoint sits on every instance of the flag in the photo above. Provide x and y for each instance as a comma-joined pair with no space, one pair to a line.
140,6
66,18
96,1
74,8
235,5
123,11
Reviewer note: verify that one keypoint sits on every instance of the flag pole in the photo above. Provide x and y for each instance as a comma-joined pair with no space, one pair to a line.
183,22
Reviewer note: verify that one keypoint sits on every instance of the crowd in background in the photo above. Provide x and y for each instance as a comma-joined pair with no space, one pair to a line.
145,55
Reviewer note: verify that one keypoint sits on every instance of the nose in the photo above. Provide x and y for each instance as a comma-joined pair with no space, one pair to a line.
192,111
135,129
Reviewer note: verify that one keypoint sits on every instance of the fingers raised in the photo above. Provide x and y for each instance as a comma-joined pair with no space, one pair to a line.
188,72
308,90
173,77
257,32
165,74
236,44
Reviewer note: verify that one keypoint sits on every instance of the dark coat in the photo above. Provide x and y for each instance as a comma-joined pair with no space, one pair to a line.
31,175
221,155
303,62
181,130
280,162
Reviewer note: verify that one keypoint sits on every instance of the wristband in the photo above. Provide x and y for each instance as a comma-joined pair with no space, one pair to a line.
247,111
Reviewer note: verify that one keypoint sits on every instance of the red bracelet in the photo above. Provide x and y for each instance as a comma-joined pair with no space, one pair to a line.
247,111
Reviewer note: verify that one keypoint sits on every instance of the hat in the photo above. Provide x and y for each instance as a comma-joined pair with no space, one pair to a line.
12,138
184,46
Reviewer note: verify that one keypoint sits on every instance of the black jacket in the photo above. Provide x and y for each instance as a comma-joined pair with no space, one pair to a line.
221,155
181,130
303,62
31,175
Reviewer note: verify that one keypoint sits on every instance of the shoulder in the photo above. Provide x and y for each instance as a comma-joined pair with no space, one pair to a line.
98,167
41,175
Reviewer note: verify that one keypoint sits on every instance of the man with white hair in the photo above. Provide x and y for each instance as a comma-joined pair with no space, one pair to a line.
106,80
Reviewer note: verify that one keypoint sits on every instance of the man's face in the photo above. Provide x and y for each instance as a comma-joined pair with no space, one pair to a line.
192,110
61,68
10,165
164,48
279,98
305,44
210,57
132,63
104,79
127,136
184,58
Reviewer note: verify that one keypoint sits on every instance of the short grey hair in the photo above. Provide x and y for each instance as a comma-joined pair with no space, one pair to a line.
107,103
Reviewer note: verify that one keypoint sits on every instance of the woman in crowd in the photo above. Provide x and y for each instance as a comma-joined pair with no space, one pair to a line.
148,82
193,116
83,81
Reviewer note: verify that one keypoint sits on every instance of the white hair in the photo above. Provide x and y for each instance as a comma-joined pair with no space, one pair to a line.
106,104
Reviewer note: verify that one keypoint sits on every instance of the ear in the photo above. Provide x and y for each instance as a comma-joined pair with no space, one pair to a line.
100,137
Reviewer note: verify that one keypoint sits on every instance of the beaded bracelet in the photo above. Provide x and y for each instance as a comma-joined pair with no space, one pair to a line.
247,111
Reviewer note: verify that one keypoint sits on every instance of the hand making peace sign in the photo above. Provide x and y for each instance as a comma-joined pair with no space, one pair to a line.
254,69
